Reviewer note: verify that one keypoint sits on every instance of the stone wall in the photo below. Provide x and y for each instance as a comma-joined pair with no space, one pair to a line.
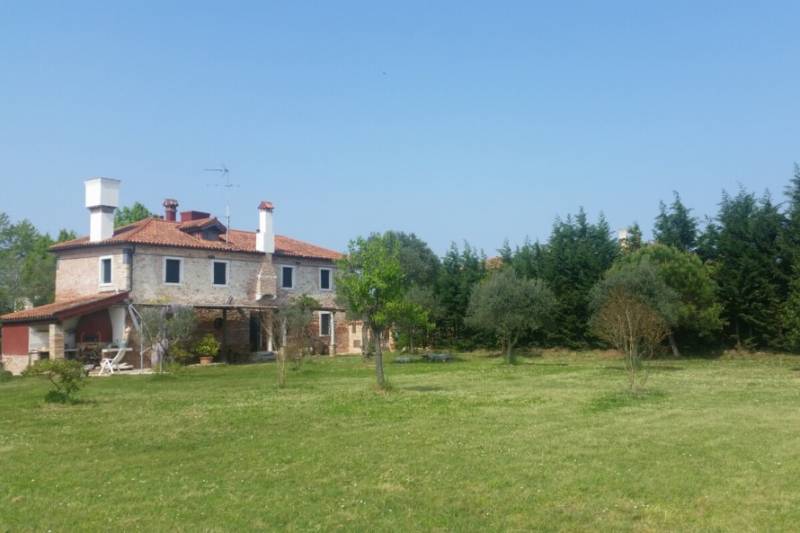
78,272
306,280
196,287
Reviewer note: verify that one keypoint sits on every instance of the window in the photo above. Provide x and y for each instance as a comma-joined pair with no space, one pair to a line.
219,273
105,270
325,279
287,277
173,270
324,324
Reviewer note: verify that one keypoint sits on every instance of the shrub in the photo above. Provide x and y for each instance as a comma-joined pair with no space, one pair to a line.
208,346
67,378
5,375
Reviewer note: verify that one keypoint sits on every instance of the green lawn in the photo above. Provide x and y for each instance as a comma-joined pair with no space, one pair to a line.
550,444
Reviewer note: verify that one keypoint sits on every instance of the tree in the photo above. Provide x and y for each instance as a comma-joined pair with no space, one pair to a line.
632,327
509,306
633,310
633,239
411,317
676,227
420,265
166,328
577,255
128,215
461,270
698,312
295,319
750,268
370,283
27,268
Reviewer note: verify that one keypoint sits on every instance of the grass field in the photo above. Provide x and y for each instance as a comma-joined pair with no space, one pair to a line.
553,443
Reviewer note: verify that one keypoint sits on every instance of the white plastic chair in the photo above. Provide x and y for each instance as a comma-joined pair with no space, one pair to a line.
108,364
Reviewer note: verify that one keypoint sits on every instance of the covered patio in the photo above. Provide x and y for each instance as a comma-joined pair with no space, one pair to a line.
78,329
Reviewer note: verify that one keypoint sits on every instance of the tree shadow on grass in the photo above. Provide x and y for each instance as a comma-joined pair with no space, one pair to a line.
650,368
423,388
620,399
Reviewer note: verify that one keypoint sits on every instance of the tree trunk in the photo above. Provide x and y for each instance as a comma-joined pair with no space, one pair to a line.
509,352
674,345
364,341
376,335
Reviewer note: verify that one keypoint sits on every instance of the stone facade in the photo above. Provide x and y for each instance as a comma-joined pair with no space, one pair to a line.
249,276
253,280
306,280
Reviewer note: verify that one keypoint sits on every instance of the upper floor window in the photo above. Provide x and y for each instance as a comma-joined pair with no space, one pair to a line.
173,270
287,277
325,279
219,273
105,270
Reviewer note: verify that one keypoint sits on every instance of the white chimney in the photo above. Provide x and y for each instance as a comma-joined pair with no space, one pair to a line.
265,238
102,199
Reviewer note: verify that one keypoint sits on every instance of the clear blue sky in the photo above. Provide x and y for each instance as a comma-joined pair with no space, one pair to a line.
454,120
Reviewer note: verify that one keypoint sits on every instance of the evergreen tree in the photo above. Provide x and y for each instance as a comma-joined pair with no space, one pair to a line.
675,226
575,258
461,270
750,269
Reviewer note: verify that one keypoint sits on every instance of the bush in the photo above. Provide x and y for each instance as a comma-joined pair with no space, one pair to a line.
67,378
5,375
208,346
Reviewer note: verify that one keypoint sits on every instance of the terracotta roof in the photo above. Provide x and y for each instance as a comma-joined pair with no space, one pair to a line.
285,246
66,309
159,232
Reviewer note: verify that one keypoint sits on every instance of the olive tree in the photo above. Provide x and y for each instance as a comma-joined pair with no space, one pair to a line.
295,318
509,306
166,327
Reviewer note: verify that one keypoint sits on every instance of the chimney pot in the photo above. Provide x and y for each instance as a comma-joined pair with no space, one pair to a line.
170,209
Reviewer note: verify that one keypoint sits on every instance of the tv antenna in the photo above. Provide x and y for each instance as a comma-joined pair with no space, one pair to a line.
227,185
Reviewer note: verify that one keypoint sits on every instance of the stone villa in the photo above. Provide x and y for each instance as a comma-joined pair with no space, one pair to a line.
235,280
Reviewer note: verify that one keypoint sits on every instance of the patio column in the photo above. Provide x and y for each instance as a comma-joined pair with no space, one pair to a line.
332,349
269,330
56,338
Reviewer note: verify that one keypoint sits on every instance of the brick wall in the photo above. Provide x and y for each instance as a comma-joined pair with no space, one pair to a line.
78,272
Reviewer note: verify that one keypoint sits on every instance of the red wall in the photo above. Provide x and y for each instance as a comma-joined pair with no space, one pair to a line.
94,325
15,339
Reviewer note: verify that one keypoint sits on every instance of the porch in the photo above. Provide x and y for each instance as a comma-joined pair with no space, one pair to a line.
84,329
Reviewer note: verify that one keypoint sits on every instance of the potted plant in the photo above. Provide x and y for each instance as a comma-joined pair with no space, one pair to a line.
207,348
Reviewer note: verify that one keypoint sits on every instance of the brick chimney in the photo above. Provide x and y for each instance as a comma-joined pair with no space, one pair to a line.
102,199
170,209
265,237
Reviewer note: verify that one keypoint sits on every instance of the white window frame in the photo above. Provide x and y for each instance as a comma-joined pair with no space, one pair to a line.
164,271
227,272
294,277
330,279
100,260
330,323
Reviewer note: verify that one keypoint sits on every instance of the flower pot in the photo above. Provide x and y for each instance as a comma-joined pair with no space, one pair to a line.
206,360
